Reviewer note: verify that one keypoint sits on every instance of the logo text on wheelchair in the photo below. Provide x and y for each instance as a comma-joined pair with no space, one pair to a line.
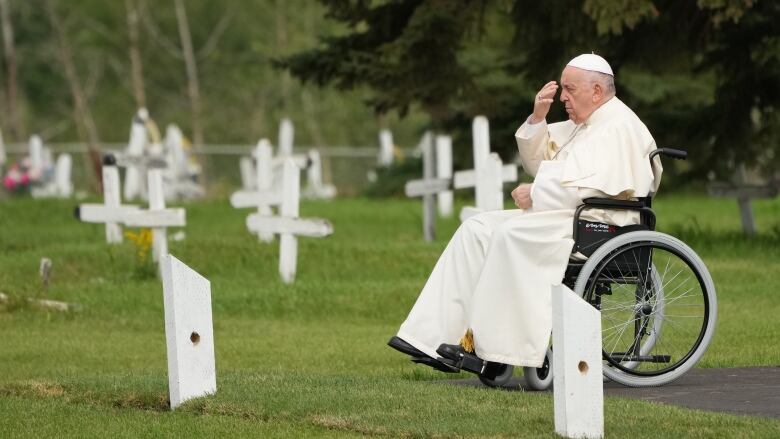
599,228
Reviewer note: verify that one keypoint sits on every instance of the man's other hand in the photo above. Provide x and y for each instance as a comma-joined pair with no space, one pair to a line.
522,196
543,100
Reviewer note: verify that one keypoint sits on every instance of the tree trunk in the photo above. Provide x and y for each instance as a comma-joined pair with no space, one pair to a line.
193,87
10,59
281,50
84,121
136,66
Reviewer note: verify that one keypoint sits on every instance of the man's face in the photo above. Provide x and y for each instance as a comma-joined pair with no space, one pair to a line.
577,94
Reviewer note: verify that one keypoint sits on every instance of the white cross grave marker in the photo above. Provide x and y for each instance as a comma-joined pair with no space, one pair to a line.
488,174
111,212
189,332
263,197
288,225
577,369
428,187
157,217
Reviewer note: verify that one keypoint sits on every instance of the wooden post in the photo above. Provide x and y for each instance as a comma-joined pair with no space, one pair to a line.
189,332
62,183
577,370
385,148
286,133
247,173
264,182
135,149
444,171
429,202
288,245
36,156
157,202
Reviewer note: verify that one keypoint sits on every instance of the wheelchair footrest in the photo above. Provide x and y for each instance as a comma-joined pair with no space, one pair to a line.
459,358
621,357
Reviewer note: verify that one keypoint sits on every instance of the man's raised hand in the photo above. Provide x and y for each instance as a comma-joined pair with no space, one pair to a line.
543,100
522,196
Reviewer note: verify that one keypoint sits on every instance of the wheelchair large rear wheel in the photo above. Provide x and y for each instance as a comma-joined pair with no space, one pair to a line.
640,282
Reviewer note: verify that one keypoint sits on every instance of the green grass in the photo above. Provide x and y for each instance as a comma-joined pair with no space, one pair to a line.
309,359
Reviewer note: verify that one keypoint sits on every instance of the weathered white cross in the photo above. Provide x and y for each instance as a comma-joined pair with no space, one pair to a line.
428,188
179,183
157,217
488,174
288,225
264,195
189,332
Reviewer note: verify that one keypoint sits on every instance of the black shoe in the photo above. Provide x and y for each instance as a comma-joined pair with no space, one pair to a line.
400,345
461,359
441,365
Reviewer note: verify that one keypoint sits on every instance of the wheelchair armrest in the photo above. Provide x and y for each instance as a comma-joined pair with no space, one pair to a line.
609,203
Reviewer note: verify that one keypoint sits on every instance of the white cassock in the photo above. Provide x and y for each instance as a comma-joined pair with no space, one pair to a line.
495,274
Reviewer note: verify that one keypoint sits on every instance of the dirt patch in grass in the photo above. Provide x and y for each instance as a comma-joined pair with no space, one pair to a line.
345,424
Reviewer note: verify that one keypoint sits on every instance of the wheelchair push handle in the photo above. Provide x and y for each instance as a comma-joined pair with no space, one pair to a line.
678,154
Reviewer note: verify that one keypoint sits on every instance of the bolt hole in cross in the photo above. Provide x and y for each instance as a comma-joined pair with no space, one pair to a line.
195,338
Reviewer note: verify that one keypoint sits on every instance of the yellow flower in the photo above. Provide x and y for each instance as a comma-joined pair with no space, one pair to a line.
142,241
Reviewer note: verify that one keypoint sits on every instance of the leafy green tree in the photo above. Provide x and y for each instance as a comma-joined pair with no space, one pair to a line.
702,74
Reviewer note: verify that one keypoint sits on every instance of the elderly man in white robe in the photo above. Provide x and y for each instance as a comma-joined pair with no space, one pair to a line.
489,294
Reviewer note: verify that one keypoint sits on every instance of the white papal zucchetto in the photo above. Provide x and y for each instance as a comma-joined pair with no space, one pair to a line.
594,63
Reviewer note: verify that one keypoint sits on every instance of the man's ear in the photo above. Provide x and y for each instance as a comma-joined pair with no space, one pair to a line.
598,92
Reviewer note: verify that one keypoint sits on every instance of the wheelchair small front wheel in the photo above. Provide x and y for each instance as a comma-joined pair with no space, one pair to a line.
540,378
497,374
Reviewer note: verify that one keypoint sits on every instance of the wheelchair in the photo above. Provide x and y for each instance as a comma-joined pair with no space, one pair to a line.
656,298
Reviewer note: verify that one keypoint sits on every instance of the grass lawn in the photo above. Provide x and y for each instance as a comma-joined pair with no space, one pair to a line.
309,359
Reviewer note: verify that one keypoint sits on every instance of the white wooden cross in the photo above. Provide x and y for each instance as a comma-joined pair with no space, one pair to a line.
157,217
488,174
264,195
189,332
179,183
577,370
428,187
111,212
288,225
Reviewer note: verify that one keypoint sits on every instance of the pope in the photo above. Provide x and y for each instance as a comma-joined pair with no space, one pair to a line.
489,293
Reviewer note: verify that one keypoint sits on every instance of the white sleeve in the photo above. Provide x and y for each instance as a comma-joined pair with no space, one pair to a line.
547,192
532,140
